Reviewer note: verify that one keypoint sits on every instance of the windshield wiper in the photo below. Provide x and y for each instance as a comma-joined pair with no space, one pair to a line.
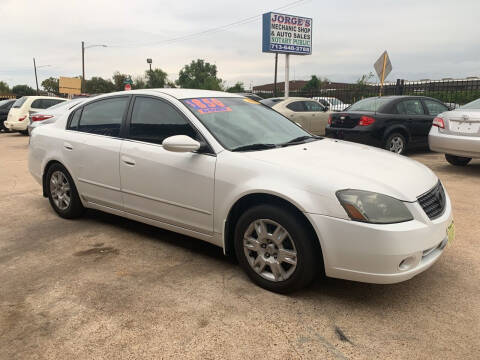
254,147
299,140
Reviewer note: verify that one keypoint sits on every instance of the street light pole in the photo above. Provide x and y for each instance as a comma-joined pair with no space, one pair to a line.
35,69
83,67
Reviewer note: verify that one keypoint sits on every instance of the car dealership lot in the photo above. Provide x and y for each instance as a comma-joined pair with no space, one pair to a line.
106,287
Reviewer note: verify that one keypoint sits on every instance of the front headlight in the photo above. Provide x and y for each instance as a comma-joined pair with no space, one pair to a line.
373,208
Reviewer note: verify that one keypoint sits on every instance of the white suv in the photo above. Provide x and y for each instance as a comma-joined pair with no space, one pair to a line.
17,119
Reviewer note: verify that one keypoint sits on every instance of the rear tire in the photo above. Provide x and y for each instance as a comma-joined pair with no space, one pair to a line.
284,259
457,160
24,132
62,193
396,143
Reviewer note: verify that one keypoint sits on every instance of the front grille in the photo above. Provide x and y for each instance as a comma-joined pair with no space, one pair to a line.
433,201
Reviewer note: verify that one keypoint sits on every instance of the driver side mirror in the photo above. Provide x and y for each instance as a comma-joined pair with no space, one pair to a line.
180,143
326,108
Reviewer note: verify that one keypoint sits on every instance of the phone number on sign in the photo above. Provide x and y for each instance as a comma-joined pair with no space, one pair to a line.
293,48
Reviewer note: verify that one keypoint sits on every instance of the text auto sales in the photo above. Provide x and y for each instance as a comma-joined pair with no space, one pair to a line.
290,30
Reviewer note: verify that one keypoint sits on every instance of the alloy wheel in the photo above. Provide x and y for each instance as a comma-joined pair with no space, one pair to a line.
60,190
396,144
269,249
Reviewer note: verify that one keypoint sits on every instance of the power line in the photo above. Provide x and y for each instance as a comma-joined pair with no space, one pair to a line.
213,30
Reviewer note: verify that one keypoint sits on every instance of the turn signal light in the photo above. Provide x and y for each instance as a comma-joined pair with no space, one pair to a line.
40,117
366,120
330,119
438,122
22,118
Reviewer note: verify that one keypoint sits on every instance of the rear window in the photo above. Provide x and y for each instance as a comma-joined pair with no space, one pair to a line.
474,105
370,104
20,102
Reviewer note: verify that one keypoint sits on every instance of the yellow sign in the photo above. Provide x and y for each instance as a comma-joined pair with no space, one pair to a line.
68,85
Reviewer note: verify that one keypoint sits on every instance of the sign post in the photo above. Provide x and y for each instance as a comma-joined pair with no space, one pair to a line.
286,34
383,67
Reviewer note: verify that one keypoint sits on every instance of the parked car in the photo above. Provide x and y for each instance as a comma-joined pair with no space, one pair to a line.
251,96
18,114
5,106
457,134
308,113
51,114
394,123
239,175
332,103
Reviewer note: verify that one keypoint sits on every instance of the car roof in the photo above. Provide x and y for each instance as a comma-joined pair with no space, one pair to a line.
177,93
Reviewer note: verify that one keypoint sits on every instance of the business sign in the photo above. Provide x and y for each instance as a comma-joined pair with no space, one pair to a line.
287,34
68,85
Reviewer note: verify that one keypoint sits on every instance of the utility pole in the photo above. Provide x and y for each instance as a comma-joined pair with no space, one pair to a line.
83,67
35,68
275,78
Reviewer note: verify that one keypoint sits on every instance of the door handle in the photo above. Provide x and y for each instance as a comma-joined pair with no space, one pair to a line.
129,161
68,146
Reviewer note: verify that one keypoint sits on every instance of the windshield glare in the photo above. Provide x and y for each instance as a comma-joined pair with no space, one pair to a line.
237,122
370,104
474,105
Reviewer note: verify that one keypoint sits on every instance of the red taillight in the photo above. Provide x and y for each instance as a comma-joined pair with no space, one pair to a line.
366,120
438,122
22,118
38,117
330,119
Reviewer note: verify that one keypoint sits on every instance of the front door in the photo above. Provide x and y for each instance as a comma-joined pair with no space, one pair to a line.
318,115
174,188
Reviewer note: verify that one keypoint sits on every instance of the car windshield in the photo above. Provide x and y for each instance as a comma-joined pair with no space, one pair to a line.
66,104
474,105
240,122
370,104
270,102
19,102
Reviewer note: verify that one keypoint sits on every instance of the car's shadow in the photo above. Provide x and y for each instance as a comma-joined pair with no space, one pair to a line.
341,290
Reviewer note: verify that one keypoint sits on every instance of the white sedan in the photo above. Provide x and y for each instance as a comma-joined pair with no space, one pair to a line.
228,170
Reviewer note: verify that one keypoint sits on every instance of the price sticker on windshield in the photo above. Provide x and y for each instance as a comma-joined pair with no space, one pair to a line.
207,105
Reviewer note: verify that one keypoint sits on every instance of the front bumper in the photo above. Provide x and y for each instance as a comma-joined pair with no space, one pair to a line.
459,145
374,253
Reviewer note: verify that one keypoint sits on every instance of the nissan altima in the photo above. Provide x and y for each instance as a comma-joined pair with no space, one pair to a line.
230,171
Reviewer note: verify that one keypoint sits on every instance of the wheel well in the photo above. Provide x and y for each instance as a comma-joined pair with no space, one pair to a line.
251,200
400,130
44,176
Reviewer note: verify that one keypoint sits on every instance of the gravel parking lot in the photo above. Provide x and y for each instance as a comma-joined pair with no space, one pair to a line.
104,287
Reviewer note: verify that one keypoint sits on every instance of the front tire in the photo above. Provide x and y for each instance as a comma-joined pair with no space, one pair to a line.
396,143
276,249
457,160
62,193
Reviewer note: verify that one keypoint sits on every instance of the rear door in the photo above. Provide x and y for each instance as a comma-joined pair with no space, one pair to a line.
416,119
93,149
174,188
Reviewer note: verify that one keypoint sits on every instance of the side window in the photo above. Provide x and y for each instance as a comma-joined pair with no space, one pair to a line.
313,106
103,117
37,104
434,108
154,120
296,106
324,102
410,107
74,122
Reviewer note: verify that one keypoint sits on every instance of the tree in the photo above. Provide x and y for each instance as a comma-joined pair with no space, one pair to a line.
23,90
156,78
199,75
315,83
237,88
139,83
119,80
98,85
50,85
4,88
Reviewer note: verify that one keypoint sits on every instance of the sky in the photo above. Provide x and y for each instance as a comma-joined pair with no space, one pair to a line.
425,39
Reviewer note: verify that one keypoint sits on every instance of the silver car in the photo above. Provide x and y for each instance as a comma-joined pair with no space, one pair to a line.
456,133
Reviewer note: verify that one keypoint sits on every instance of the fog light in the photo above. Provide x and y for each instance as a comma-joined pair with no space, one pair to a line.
407,263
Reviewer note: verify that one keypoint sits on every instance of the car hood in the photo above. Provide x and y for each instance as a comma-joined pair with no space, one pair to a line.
326,166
